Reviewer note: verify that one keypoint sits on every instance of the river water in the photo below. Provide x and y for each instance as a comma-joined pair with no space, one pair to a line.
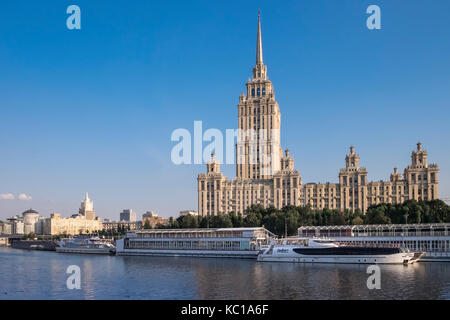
42,275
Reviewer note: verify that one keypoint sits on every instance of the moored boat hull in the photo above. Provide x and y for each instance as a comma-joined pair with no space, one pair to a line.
399,258
85,250
189,253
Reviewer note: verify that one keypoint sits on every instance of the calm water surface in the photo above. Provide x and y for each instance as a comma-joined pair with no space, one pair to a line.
42,275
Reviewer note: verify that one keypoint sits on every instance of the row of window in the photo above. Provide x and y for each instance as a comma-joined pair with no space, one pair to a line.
256,111
420,245
423,177
189,245
354,180
259,92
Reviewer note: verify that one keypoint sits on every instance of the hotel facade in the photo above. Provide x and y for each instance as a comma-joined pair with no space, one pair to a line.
267,177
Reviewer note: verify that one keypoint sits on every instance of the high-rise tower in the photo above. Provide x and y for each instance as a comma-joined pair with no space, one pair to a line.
87,208
422,177
258,150
266,178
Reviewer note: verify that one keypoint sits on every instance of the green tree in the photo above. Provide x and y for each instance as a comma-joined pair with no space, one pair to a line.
357,220
220,221
306,216
147,225
274,222
204,222
414,211
440,211
175,225
188,221
252,220
236,220
376,216
337,218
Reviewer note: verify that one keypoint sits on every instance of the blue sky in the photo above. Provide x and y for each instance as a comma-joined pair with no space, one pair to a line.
93,109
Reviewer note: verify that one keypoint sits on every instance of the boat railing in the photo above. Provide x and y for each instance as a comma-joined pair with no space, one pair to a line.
370,244
406,233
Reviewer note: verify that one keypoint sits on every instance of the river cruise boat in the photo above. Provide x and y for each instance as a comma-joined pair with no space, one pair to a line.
82,245
431,238
202,242
329,251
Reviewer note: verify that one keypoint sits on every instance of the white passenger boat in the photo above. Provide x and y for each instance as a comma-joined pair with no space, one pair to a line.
329,251
201,242
431,238
91,245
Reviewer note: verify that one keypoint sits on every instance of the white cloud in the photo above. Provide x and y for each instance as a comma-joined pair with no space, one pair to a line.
24,196
6,196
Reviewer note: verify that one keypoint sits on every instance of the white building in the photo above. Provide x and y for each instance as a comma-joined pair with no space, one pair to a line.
150,214
71,226
30,221
17,226
188,213
5,228
87,208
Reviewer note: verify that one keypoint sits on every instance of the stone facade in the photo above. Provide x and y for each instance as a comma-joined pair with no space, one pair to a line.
265,177
56,225
83,222
419,182
153,219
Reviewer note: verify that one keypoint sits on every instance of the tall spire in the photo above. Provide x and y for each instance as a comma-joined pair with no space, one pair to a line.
259,53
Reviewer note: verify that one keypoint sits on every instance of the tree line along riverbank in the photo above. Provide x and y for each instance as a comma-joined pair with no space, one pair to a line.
290,218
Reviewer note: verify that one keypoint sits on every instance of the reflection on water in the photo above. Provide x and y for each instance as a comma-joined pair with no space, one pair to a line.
42,275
